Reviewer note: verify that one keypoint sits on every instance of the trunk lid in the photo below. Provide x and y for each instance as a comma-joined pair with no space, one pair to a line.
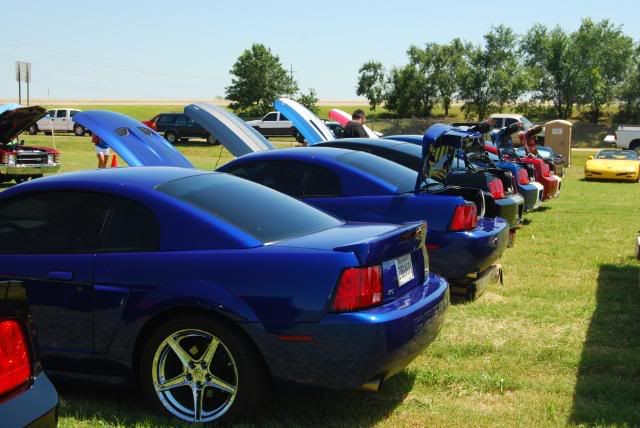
134,142
308,124
233,133
399,249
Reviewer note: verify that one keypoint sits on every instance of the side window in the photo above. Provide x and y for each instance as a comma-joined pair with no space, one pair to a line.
498,123
132,227
321,182
271,117
398,157
283,117
61,113
182,120
72,112
509,121
51,113
166,118
53,222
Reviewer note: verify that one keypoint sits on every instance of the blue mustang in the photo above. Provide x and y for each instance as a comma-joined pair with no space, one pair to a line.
464,247
205,286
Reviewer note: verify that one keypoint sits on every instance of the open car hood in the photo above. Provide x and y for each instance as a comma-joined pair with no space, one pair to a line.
14,119
342,117
232,132
308,124
134,142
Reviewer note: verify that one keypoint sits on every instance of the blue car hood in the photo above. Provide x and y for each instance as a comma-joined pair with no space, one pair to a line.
308,124
232,132
137,144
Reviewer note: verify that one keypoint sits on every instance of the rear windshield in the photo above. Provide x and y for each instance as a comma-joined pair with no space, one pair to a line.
401,177
257,210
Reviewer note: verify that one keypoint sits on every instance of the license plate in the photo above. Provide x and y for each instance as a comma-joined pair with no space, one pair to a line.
404,269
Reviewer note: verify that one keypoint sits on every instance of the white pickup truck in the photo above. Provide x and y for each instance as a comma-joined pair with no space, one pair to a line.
58,120
627,137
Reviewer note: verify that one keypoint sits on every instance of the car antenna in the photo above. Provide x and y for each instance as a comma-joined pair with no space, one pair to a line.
219,157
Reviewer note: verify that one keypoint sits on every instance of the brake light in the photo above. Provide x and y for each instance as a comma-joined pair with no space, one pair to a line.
465,217
523,176
15,365
496,188
358,288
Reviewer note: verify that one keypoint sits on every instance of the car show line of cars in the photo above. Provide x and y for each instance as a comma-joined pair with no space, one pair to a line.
328,266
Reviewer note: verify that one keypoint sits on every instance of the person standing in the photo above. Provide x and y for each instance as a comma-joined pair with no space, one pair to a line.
355,127
102,151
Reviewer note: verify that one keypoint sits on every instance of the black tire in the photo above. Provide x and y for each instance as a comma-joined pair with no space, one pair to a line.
234,362
299,138
79,130
211,140
33,129
171,137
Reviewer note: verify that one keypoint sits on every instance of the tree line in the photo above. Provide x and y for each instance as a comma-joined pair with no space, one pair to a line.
589,69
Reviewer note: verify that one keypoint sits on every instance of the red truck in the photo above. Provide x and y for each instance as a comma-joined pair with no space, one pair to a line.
17,161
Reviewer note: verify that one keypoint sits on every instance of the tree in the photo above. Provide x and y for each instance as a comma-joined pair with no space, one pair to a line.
447,61
603,56
309,100
491,75
259,79
550,58
372,83
629,93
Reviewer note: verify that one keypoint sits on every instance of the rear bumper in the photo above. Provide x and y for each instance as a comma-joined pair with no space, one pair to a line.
28,169
552,186
36,406
532,194
359,349
511,208
459,254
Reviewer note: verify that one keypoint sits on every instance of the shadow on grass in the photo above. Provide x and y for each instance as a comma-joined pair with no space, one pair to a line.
608,384
99,404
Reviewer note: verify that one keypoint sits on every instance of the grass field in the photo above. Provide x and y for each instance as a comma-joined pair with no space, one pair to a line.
558,344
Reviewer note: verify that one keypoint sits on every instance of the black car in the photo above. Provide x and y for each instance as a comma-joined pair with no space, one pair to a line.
27,397
177,126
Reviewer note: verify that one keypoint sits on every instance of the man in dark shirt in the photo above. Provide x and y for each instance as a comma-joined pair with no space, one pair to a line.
355,128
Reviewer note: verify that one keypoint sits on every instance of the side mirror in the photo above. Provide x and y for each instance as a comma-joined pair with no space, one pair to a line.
590,157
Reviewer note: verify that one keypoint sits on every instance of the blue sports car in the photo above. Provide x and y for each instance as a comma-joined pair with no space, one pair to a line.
204,286
464,246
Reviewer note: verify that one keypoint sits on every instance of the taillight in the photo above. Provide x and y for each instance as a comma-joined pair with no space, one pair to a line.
496,188
523,176
358,288
465,217
545,170
15,365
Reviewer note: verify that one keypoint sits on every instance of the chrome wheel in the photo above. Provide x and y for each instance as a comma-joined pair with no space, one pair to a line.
195,376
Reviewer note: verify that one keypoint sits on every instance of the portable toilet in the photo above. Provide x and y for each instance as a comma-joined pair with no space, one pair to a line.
558,135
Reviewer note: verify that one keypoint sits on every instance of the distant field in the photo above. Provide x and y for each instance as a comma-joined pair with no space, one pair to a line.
585,134
558,344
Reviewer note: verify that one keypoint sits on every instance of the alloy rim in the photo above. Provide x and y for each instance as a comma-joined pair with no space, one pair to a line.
195,376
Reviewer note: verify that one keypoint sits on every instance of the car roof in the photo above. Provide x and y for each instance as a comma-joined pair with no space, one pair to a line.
377,142
324,153
144,178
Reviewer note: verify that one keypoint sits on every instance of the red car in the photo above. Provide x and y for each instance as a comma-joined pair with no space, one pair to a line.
17,161
543,174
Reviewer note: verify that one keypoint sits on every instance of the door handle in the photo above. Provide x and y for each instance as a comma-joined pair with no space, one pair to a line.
59,275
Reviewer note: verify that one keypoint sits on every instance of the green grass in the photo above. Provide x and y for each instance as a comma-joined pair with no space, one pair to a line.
558,344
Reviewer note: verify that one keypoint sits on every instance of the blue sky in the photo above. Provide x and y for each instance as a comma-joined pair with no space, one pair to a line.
170,49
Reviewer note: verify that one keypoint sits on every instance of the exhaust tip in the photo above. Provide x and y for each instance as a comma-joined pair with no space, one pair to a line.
372,386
